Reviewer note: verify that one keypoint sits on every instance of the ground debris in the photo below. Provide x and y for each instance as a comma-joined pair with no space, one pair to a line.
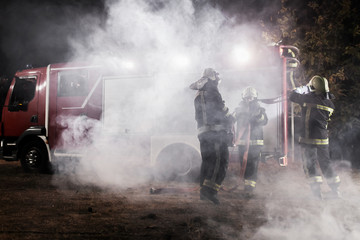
33,206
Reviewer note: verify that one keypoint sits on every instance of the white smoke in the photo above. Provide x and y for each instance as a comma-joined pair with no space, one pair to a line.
148,37
157,35
162,46
293,213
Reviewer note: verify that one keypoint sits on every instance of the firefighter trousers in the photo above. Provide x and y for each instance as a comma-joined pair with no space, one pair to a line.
215,158
253,159
319,154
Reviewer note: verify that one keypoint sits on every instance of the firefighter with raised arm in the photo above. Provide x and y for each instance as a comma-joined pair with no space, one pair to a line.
214,123
250,119
316,109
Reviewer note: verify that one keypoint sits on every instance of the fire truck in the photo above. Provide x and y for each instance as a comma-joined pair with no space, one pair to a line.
50,113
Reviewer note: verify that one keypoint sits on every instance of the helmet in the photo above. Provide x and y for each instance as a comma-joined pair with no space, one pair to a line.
319,84
249,93
211,74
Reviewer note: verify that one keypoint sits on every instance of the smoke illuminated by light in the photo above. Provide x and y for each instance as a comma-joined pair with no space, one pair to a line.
241,54
153,103
128,64
166,48
181,61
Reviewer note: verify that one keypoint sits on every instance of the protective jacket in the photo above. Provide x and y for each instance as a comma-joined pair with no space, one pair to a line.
211,113
315,112
250,113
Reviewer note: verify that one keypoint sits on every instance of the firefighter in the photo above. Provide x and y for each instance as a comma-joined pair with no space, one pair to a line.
316,109
250,119
214,133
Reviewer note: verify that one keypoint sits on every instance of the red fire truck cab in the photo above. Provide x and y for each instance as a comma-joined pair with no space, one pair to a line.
31,124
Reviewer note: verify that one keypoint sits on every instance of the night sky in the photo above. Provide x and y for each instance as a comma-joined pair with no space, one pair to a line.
37,32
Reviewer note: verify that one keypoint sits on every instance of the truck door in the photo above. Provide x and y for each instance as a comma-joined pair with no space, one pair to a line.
22,107
75,92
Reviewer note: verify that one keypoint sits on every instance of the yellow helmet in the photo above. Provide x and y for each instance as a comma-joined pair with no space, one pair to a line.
319,84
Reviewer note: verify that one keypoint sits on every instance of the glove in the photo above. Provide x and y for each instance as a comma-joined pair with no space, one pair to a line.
258,115
302,90
229,121
229,138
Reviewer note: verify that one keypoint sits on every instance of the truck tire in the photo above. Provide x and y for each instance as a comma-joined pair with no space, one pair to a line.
34,157
178,162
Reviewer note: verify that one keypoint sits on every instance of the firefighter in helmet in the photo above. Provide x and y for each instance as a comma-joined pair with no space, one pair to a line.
214,125
250,119
316,109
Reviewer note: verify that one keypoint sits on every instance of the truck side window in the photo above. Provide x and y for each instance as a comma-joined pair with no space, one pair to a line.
23,93
72,84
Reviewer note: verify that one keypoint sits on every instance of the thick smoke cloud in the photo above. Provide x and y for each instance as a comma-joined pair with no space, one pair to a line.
167,44
293,213
155,50
158,33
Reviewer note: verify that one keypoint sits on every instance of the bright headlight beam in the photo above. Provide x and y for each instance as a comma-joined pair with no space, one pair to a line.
241,55
128,64
181,61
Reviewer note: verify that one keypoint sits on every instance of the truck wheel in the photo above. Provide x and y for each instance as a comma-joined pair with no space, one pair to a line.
34,157
179,162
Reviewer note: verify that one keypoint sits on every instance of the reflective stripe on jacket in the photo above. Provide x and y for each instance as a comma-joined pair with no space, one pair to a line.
255,115
259,142
316,112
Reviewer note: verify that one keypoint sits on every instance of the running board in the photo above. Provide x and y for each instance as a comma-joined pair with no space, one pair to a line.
63,154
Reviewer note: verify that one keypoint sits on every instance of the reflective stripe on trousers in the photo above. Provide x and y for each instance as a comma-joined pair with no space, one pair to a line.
250,183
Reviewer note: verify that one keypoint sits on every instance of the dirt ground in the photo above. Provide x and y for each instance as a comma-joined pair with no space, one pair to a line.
33,206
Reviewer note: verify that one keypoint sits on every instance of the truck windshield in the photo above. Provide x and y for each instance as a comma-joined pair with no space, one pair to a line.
23,92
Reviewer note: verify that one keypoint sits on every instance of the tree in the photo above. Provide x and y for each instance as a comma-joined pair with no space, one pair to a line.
328,35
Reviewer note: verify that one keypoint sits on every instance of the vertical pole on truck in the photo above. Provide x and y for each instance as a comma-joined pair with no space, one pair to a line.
283,159
292,133
289,61
47,98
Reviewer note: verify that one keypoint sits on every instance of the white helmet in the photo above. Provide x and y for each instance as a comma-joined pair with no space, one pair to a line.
249,93
211,74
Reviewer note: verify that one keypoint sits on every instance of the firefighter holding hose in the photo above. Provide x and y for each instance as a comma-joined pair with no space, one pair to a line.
250,119
214,124
316,109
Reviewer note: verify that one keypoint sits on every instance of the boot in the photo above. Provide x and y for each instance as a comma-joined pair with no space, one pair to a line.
316,190
249,188
210,194
249,191
335,193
